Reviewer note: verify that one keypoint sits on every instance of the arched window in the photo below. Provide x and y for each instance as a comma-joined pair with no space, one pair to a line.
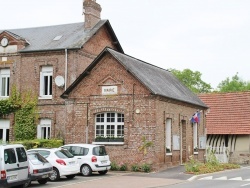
109,124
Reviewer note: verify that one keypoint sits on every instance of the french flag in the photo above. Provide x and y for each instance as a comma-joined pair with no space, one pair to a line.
196,117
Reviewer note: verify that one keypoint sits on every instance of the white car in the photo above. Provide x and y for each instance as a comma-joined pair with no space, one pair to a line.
92,158
63,162
40,169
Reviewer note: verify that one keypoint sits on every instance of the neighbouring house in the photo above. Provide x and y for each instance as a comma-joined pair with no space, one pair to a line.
228,125
118,100
89,91
47,60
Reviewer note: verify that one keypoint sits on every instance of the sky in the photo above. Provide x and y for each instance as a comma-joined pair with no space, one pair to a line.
209,36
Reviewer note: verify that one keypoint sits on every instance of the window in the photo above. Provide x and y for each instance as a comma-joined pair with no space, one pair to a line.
195,136
4,82
9,156
46,82
44,129
110,125
21,155
4,130
168,135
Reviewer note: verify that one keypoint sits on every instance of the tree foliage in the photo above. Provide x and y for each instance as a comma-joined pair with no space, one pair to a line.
192,80
233,84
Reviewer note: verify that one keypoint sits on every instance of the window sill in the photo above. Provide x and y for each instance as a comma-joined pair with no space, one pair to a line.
170,154
108,143
196,153
45,97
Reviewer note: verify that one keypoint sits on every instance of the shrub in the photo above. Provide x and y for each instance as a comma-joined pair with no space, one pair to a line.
114,166
40,143
123,167
146,167
135,168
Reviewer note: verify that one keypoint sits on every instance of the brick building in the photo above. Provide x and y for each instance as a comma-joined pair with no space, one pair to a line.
87,91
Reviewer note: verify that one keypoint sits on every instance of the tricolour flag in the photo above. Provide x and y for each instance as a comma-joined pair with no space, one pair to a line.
196,117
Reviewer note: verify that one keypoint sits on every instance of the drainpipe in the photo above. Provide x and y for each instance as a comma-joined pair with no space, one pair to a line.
66,69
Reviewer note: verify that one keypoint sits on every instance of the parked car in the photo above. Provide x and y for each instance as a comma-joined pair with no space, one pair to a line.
40,169
92,158
13,165
63,162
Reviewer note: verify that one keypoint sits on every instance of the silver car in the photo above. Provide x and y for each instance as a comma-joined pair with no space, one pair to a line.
40,169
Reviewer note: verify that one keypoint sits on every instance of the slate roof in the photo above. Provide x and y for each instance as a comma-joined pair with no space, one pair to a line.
73,36
229,113
159,81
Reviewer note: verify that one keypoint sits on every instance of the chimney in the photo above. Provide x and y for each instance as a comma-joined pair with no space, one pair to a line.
92,13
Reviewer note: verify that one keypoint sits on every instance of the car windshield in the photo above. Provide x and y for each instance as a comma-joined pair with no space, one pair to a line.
36,158
99,151
63,153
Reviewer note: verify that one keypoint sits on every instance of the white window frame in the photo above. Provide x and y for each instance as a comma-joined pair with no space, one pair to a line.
169,136
4,74
195,135
47,71
45,125
105,124
5,125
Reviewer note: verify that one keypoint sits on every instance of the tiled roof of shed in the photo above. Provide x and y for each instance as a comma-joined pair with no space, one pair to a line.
229,112
159,81
74,36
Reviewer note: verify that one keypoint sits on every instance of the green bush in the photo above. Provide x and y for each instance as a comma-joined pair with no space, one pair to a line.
40,143
146,167
114,166
123,167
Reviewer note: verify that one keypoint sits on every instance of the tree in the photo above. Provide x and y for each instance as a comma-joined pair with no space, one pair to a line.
192,80
233,84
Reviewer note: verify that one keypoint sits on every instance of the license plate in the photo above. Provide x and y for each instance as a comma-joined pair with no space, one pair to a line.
45,176
104,162
14,177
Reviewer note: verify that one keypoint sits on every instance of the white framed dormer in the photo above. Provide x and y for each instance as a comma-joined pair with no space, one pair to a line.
44,129
46,79
4,83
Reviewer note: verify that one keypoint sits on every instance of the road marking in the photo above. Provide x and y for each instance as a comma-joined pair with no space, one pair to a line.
245,185
236,178
192,178
221,178
207,178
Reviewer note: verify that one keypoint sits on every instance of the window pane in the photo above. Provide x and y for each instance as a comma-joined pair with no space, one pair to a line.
120,117
9,156
45,85
21,154
100,130
8,87
100,118
110,130
120,130
110,117
1,134
3,86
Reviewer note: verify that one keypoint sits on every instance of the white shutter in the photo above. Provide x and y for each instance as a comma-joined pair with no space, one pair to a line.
39,136
41,84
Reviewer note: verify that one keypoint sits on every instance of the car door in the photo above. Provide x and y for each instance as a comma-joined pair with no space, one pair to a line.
11,167
22,163
79,153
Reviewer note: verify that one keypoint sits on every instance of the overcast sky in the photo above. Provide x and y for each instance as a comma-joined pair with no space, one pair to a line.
209,36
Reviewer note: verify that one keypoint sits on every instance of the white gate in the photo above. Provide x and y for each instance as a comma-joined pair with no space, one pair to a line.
221,153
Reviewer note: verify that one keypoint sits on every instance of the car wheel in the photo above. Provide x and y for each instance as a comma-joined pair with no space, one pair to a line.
86,170
70,176
43,181
55,175
103,172
27,184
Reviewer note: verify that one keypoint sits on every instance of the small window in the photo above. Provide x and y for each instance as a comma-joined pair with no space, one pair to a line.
63,153
99,151
79,151
21,154
9,156
44,129
4,82
46,82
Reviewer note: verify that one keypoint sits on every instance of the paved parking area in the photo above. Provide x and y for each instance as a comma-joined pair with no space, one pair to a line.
122,180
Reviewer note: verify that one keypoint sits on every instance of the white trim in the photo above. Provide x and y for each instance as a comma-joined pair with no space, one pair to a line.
5,73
